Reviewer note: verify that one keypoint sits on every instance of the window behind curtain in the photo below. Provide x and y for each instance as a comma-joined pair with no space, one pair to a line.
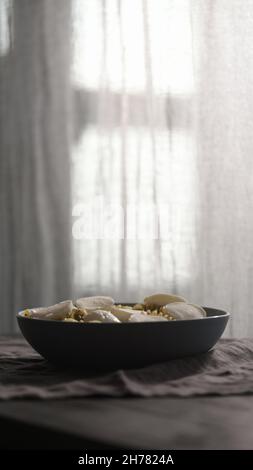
133,83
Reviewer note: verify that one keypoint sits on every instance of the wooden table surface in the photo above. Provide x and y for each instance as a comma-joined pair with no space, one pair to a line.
128,423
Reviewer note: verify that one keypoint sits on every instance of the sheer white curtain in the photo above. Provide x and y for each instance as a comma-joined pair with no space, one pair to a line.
35,200
172,126
133,63
152,110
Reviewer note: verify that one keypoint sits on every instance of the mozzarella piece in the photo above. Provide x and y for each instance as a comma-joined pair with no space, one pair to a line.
162,299
184,311
54,312
140,317
101,316
123,314
94,303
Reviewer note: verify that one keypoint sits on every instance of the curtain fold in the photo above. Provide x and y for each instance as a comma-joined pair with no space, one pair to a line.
35,132
222,40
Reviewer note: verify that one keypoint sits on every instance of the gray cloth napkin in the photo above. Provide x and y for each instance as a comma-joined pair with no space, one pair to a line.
226,370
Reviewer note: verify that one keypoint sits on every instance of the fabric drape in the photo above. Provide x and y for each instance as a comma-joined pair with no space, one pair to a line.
35,197
129,111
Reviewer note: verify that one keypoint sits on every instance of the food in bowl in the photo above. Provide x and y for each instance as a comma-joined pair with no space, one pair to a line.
103,309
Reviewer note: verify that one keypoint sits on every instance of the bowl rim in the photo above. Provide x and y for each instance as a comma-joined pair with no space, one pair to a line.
221,314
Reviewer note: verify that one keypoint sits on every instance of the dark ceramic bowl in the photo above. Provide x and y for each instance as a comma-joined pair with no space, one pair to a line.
110,346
